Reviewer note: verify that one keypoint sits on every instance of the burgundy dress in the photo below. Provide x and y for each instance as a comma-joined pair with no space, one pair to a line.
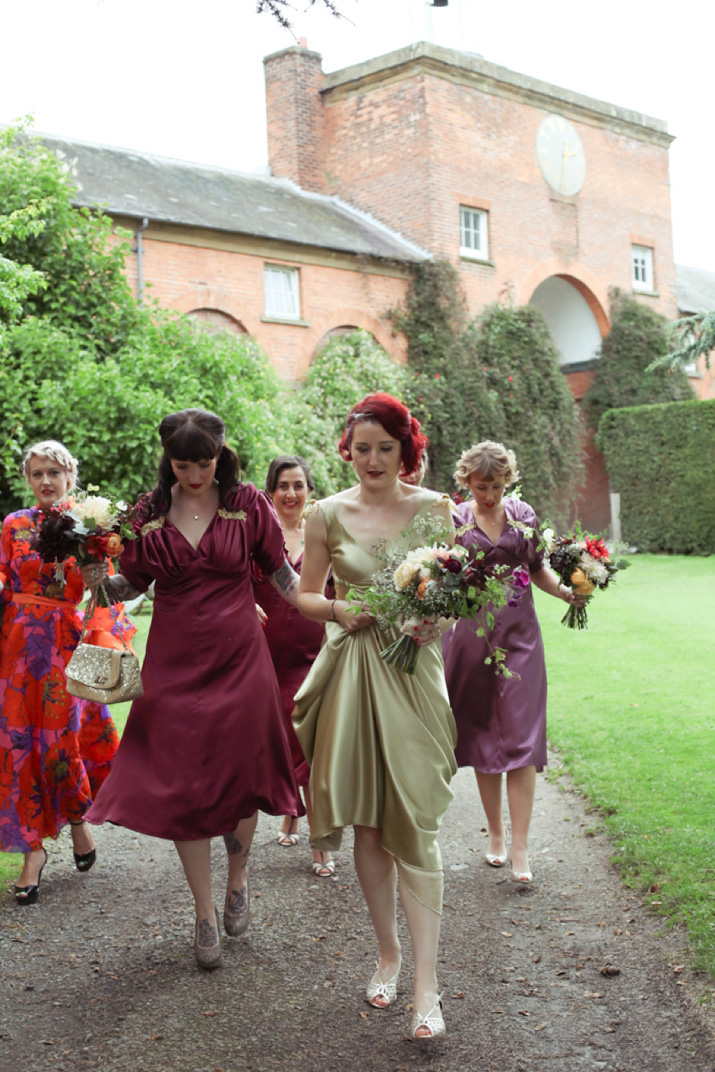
294,642
501,722
205,746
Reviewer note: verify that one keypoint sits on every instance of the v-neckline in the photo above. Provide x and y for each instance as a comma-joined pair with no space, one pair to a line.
382,542
493,543
185,538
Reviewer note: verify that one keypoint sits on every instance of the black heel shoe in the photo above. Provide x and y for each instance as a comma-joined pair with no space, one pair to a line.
28,894
83,861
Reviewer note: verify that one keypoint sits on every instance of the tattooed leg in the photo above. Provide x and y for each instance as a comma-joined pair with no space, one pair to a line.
238,847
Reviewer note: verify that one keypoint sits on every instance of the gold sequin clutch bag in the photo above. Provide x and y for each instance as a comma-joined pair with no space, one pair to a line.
104,675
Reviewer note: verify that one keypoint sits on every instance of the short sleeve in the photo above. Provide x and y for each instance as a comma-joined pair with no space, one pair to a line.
526,515
133,565
268,547
5,556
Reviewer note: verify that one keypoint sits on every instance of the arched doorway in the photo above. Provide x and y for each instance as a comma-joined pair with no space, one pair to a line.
573,326
577,322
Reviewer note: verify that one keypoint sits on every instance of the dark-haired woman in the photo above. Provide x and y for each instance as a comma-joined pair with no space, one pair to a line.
293,640
205,746
380,742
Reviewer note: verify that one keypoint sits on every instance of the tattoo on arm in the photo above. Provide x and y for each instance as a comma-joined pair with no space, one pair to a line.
285,580
121,588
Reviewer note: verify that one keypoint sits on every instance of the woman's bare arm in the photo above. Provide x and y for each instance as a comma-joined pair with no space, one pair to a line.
313,575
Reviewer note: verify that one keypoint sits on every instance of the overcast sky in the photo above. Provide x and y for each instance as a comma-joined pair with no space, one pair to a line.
184,78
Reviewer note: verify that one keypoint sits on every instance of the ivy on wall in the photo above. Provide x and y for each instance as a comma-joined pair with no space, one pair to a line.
661,458
494,377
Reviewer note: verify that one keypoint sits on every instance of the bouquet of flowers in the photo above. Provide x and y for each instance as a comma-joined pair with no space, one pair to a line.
85,526
583,562
434,582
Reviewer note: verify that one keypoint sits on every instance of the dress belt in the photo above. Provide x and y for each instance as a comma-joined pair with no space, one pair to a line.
101,638
26,599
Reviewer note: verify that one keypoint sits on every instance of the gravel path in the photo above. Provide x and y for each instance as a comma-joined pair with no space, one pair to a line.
571,975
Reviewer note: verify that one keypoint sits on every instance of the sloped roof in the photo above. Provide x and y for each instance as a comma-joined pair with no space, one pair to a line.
126,183
696,289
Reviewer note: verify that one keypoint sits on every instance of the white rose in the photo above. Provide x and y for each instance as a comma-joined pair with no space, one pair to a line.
96,507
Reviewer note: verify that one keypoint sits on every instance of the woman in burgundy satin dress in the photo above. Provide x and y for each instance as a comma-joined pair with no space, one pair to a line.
293,640
205,746
501,722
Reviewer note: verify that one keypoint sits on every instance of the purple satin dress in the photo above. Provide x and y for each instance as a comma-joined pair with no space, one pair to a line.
206,745
501,722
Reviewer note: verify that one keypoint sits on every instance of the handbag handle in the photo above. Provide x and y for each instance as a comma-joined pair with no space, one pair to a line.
92,606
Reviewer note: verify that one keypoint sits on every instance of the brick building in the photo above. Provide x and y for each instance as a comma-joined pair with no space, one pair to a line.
529,189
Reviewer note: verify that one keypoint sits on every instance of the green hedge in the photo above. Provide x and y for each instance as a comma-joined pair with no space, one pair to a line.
661,459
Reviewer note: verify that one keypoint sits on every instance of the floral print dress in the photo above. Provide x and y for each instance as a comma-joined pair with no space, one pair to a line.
55,750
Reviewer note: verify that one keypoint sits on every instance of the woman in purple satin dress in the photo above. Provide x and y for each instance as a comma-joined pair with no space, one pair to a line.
205,746
293,640
501,722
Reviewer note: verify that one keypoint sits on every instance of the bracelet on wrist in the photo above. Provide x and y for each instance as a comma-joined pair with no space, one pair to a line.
332,610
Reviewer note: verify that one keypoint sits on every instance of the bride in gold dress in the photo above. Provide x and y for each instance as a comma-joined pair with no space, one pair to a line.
380,742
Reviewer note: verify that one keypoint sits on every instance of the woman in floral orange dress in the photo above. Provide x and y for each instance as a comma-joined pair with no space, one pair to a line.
55,750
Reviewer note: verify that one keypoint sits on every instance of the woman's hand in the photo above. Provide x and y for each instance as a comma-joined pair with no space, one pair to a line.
348,615
94,573
570,597
424,631
262,616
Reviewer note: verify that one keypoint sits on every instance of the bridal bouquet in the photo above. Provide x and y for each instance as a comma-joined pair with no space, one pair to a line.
583,562
85,526
434,582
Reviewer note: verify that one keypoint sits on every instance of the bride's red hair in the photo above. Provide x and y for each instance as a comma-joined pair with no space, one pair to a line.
397,421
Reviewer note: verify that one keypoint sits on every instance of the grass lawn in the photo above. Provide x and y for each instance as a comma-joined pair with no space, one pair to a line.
632,713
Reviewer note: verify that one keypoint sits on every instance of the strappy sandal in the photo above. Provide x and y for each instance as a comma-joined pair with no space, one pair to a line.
288,840
323,868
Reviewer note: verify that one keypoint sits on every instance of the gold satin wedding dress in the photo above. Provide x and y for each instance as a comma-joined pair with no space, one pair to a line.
380,742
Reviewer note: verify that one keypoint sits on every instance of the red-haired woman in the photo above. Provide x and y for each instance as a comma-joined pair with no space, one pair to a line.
380,742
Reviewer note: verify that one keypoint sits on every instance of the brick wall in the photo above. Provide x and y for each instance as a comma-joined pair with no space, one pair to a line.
182,271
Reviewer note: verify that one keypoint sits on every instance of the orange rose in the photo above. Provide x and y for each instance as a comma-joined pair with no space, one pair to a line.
581,584
114,544
422,588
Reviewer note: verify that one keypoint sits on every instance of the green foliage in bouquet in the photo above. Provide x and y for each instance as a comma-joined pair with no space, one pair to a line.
431,582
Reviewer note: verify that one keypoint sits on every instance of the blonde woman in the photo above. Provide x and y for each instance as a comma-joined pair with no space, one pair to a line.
501,722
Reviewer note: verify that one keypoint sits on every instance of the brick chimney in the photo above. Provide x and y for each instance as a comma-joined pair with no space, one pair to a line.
296,116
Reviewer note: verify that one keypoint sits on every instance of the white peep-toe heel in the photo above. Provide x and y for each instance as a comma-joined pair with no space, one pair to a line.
433,1021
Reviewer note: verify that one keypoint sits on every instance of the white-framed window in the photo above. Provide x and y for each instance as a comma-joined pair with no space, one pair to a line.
642,268
473,233
282,292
